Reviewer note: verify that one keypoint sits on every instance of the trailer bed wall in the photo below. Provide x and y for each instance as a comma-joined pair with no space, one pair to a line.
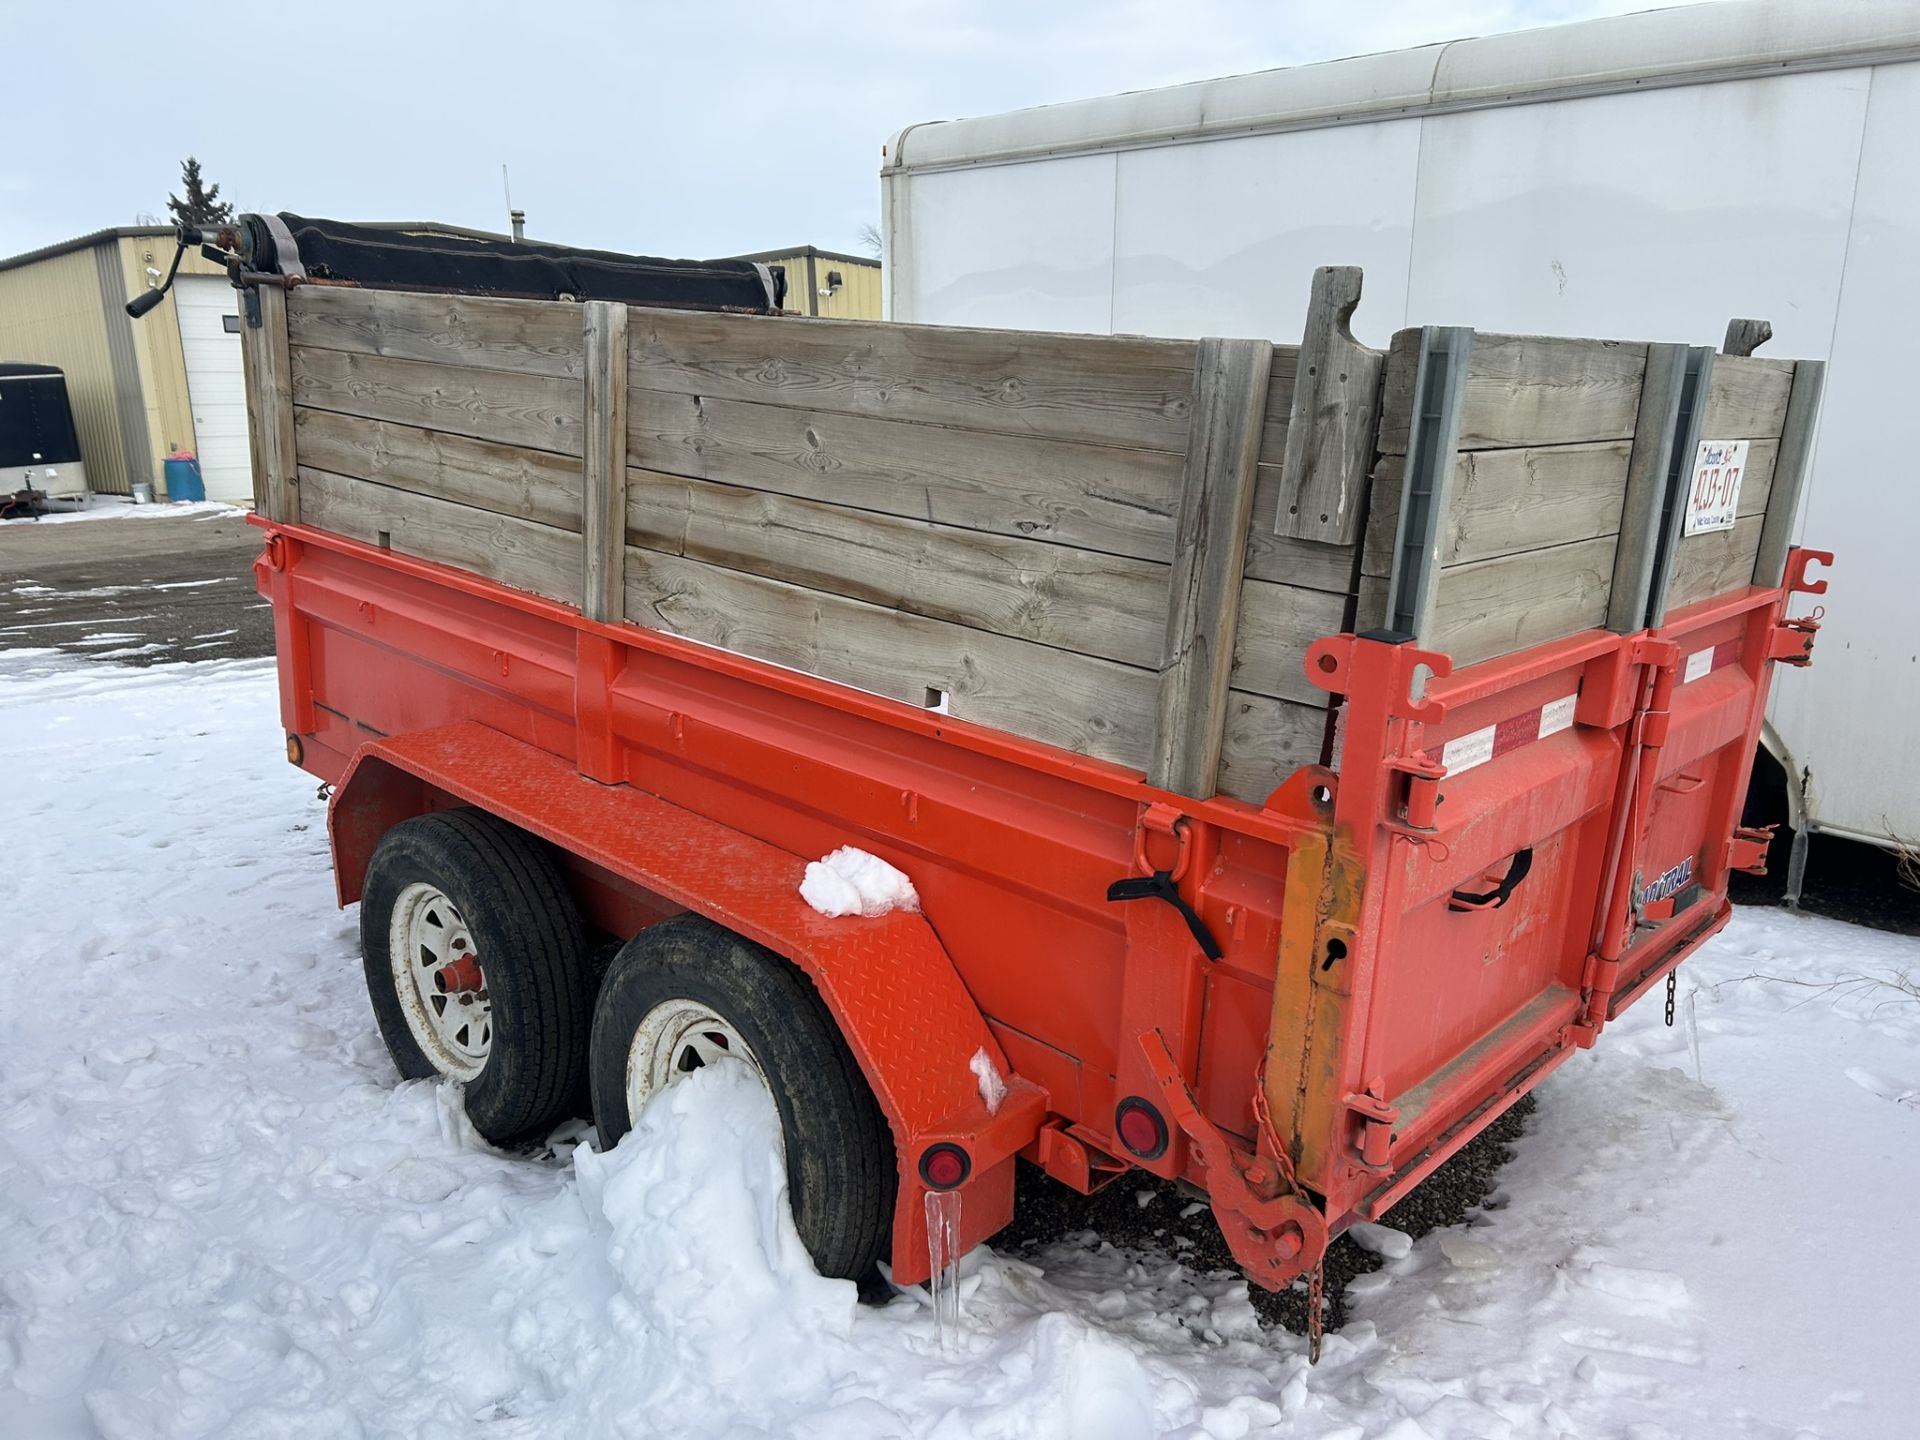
1528,539
984,522
979,519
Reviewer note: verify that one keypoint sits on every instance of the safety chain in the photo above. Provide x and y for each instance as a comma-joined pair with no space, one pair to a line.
1317,1280
1673,984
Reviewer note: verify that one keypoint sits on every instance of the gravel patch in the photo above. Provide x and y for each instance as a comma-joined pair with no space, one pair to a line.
1157,1219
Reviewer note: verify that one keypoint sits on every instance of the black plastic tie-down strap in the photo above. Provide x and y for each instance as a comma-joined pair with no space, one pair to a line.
1160,886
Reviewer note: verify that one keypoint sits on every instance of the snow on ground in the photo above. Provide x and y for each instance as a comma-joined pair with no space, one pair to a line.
112,507
220,1215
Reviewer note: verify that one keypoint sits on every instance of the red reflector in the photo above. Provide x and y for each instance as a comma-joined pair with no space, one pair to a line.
944,1166
1141,1129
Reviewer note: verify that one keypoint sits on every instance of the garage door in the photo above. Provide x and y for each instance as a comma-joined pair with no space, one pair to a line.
209,311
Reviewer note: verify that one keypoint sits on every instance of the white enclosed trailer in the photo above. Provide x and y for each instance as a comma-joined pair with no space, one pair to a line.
1647,177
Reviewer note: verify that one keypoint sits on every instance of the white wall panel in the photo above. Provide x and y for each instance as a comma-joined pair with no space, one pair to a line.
1028,247
1853,719
1222,237
1653,216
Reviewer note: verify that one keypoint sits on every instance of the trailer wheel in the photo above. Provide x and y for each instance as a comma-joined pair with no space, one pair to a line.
477,968
687,993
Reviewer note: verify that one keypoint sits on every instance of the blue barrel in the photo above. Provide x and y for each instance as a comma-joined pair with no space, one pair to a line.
183,477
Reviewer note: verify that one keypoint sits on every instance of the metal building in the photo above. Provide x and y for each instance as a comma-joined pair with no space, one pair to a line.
142,390
138,391
827,282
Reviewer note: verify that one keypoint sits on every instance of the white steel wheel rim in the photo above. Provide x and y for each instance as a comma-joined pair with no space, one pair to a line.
675,1038
441,984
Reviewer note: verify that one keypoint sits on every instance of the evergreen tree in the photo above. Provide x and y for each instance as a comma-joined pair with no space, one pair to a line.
202,205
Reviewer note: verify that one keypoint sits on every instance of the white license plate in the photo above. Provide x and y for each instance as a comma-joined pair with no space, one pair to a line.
1713,498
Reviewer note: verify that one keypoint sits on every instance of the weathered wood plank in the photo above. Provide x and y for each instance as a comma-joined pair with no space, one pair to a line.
1756,482
1507,501
522,337
1096,389
507,479
265,354
1714,563
1383,516
1209,556
1746,398
1304,564
1528,390
1091,706
1494,607
539,411
1266,741
515,552
1277,624
1106,605
603,526
1331,419
1746,336
1095,497
1273,429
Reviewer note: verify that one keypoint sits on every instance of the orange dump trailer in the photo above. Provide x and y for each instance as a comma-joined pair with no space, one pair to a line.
1297,751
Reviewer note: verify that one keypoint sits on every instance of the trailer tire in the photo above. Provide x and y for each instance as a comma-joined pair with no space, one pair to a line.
839,1151
478,887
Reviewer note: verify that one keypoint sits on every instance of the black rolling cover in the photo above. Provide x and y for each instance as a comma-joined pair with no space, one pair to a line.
34,418
392,259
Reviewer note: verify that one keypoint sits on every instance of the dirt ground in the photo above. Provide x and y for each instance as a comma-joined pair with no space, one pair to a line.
134,591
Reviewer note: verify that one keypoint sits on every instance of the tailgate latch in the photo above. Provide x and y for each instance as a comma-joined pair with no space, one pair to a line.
1791,641
1747,850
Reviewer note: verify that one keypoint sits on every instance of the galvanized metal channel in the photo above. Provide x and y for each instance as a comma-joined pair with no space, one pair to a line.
1433,444
1694,386
1790,472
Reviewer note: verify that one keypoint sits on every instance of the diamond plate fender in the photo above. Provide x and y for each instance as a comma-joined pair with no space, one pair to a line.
889,982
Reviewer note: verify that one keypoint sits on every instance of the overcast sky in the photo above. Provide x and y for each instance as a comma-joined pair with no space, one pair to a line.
701,127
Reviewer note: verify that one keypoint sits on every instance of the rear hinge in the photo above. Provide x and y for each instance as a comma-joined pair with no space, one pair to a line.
1377,1119
1747,850
1791,641
1415,814
1598,976
1648,728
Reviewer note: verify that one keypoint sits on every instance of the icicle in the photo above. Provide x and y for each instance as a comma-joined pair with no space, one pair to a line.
1693,1034
943,1260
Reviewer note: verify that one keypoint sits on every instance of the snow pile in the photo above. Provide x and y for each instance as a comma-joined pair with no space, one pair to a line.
993,1089
714,1280
221,1216
852,882
120,507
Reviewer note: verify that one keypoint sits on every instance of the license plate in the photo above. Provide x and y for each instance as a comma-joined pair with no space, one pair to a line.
1713,499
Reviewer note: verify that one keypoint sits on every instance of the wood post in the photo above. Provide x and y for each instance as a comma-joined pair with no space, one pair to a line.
268,361
1330,429
1789,472
1210,546
1647,469
1746,336
603,520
